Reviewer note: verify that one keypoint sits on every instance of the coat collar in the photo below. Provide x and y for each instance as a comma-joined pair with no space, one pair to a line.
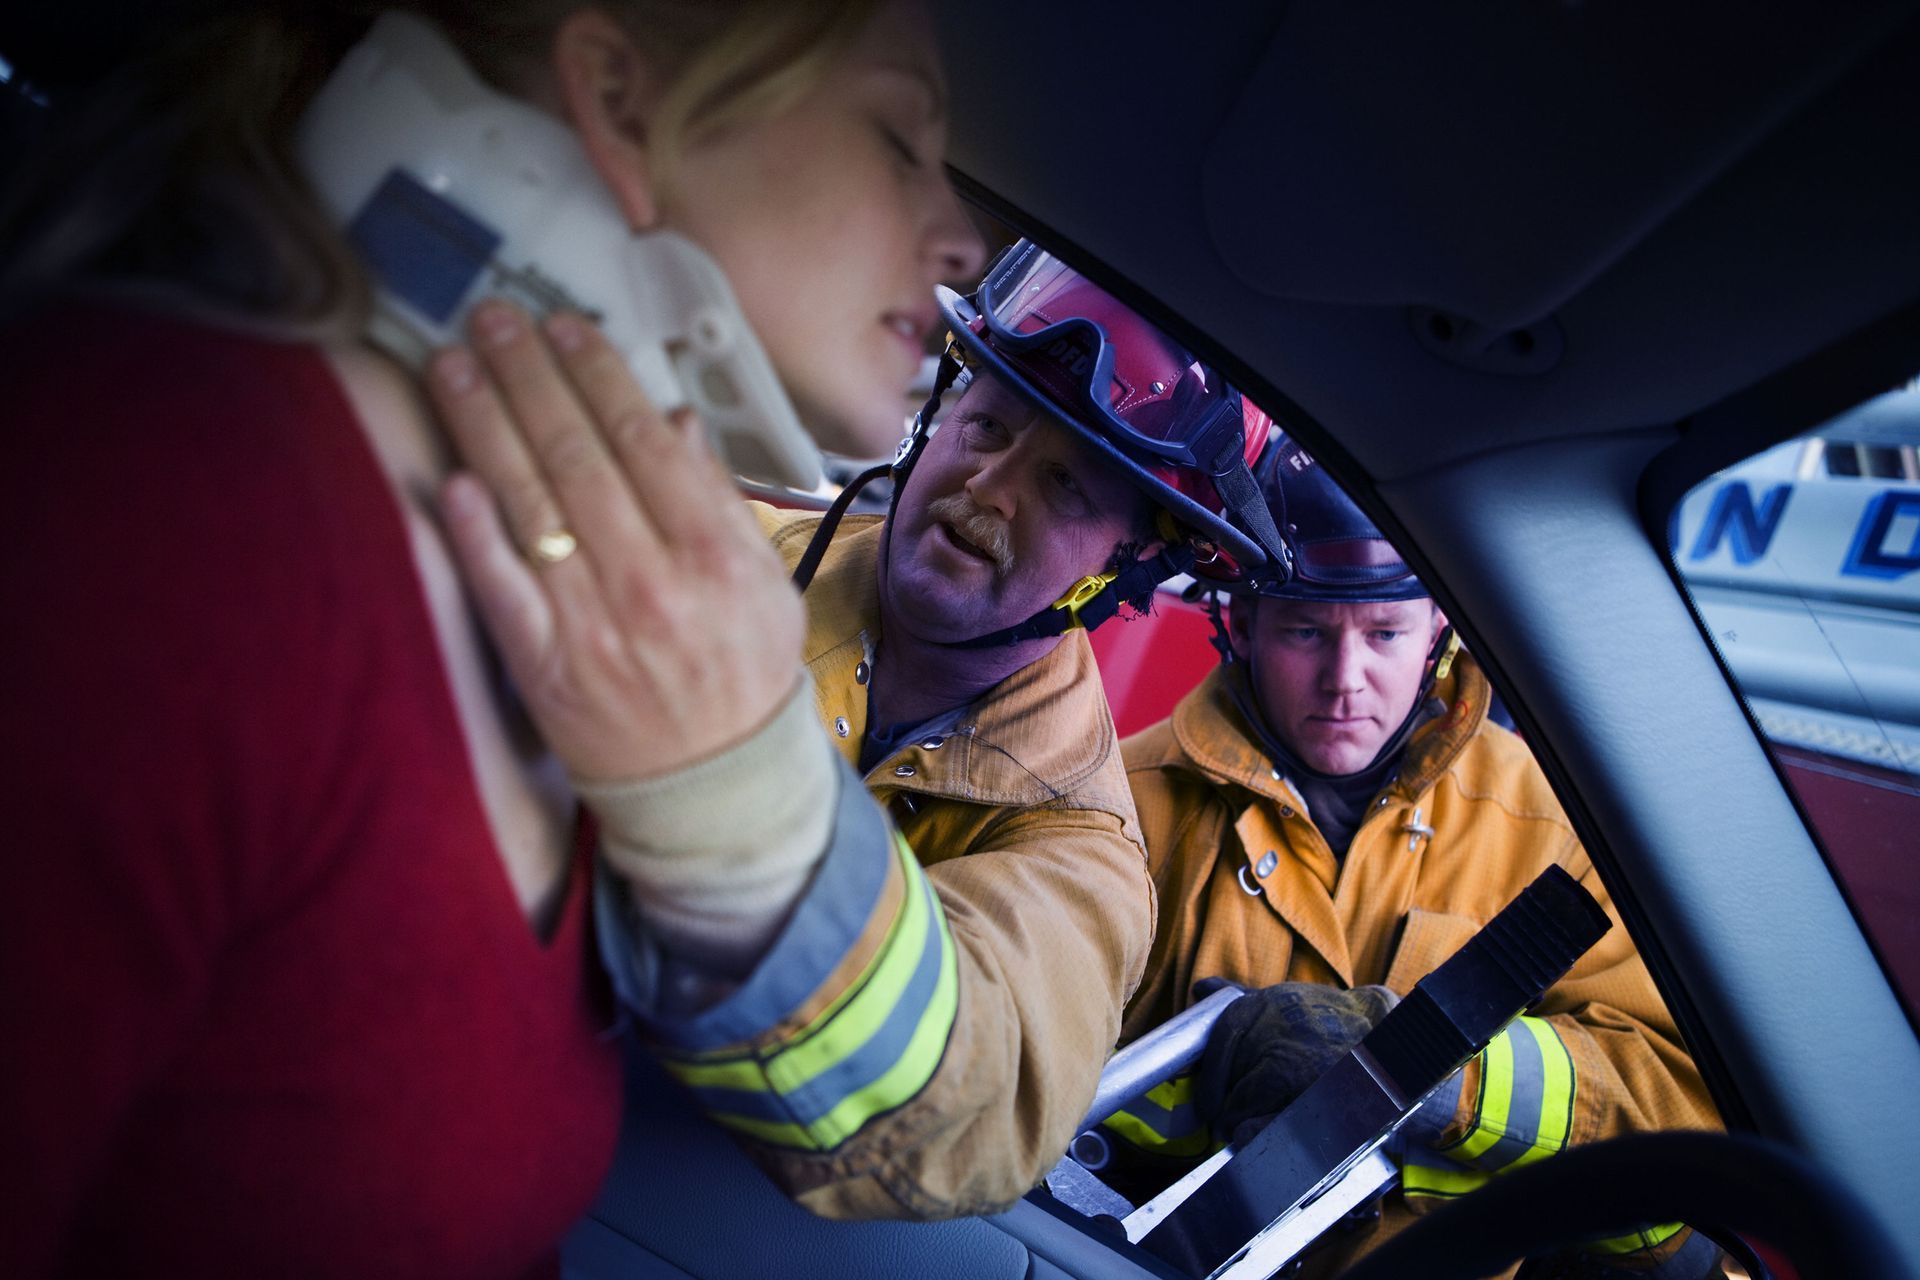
1213,735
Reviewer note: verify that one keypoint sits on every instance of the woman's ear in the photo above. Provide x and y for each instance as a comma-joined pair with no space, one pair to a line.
608,90
1240,625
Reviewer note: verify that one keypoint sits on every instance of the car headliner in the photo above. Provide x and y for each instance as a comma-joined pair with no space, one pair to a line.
1612,172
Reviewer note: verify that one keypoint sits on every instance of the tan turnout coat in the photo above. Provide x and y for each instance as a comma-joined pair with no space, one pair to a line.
1400,901
1022,817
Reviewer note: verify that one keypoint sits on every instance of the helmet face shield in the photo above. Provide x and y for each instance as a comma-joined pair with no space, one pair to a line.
1339,555
1095,356
1362,569
1168,420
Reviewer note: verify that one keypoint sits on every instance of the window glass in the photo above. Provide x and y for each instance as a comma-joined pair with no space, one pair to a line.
1804,564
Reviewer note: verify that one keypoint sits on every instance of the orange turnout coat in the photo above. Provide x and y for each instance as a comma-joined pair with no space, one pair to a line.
1250,891
927,1033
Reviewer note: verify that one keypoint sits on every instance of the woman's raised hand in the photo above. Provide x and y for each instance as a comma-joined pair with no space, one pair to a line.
645,620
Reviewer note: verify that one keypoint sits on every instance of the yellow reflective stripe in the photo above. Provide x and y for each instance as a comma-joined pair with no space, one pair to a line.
1168,1095
734,1073
1645,1238
781,1135
1134,1130
846,1025
1172,1093
1494,1121
1497,1137
728,1069
1147,1138
1556,1094
1425,1180
914,1067
1496,1096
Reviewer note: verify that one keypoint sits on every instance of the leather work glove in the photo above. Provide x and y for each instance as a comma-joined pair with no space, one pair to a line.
1271,1044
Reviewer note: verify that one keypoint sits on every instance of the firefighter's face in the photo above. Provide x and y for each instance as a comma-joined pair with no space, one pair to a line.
1005,510
1335,681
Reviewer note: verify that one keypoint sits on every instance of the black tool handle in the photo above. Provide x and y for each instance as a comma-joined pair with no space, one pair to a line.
1498,973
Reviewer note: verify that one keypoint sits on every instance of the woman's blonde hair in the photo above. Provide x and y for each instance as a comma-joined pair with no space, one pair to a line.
177,168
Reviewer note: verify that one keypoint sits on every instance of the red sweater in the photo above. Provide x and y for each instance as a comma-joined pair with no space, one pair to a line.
268,1004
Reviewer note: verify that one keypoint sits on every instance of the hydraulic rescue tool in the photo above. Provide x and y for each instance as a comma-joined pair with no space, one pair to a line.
1248,1211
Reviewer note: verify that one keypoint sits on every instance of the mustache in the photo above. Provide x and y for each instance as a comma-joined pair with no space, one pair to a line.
993,536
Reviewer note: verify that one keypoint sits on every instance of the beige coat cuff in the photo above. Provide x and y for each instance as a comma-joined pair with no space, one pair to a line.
716,855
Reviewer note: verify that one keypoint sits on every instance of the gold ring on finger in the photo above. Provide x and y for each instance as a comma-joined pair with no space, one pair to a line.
554,545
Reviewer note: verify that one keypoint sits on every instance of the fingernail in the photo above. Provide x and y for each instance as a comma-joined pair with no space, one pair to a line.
497,323
568,331
456,371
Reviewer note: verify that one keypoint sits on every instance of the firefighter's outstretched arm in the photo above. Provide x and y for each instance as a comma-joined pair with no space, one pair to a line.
918,1042
886,1039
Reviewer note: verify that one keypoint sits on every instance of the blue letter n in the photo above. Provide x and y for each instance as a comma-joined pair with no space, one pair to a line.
1733,514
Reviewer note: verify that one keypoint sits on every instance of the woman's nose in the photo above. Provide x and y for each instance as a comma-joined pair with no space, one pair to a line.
953,250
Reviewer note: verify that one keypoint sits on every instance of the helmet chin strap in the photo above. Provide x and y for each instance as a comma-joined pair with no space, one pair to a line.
1090,601
911,447
1233,481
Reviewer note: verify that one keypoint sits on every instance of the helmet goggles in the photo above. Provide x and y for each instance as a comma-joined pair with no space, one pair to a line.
1339,554
1141,398
1162,402
1359,568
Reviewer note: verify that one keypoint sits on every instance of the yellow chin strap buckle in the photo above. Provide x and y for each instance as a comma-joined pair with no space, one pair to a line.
1081,592
1444,667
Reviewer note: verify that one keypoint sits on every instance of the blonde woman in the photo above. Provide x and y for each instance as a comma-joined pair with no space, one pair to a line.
296,960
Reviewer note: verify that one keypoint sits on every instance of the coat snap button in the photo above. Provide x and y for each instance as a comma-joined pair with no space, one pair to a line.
840,726
933,744
860,673
904,771
1267,864
1383,802
1286,811
1274,774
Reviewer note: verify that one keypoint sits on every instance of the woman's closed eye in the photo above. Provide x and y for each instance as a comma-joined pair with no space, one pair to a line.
903,150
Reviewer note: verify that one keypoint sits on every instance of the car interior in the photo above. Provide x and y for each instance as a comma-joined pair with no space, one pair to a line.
1522,276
